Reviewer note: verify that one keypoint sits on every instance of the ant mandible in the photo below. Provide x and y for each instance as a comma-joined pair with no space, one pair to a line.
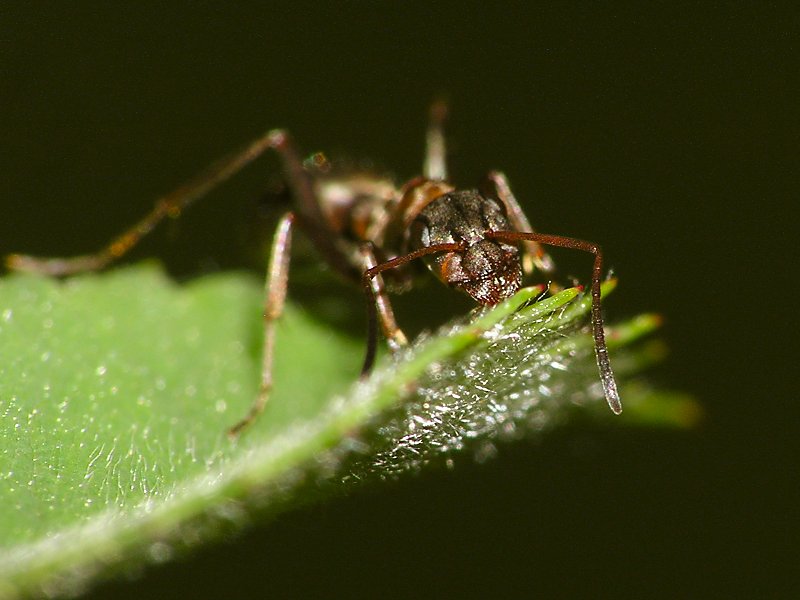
367,229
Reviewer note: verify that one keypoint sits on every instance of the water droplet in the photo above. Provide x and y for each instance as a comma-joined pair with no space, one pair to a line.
160,552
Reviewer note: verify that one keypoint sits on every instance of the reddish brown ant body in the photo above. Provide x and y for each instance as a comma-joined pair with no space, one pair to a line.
367,229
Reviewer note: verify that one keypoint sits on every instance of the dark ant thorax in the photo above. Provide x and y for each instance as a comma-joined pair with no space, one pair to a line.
487,270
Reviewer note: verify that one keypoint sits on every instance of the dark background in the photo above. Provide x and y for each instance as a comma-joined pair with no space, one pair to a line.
669,134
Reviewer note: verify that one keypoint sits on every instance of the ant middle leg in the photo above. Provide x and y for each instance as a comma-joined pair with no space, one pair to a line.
496,185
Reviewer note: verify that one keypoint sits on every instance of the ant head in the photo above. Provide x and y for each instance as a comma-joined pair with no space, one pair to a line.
487,270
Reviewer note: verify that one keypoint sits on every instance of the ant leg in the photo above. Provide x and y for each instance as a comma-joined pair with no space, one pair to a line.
274,300
435,166
301,184
534,255
380,302
600,349
170,205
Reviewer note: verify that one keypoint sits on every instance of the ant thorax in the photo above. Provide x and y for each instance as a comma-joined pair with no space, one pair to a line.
358,205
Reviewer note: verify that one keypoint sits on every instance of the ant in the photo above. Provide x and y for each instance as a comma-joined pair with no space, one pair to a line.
369,230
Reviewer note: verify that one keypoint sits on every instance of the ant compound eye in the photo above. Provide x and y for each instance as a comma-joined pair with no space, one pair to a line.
419,234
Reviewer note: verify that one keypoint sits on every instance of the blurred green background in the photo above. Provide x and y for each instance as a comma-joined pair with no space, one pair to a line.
669,134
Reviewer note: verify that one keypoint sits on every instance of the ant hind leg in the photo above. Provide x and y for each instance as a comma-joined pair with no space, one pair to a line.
170,205
274,301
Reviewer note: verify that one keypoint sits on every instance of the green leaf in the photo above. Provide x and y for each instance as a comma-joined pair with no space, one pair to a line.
116,392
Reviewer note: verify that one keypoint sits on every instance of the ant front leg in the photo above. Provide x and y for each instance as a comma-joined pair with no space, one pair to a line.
534,255
274,301
378,304
379,308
